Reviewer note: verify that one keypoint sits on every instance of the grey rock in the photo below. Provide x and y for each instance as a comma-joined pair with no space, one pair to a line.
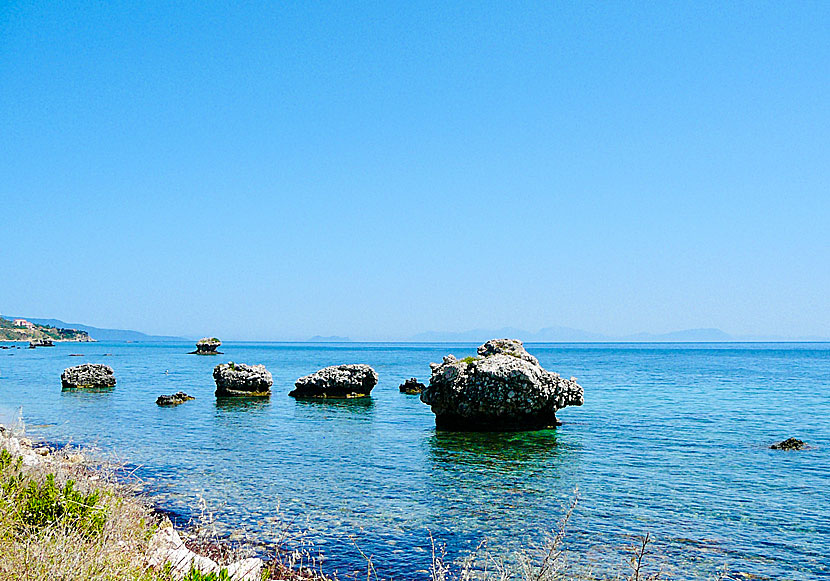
790,444
238,379
207,346
498,391
88,375
175,399
337,381
412,386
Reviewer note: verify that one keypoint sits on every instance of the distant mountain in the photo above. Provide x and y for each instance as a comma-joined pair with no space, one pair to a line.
329,339
570,335
102,334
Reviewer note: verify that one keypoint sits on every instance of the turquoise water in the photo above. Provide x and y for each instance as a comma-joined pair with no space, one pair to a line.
672,440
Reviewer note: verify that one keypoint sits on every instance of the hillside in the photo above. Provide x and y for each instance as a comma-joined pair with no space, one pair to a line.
11,332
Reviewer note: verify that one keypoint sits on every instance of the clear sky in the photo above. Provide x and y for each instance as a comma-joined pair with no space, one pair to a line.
378,169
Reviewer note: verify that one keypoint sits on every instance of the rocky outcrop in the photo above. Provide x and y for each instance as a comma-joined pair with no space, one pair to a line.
207,346
88,375
412,386
177,398
238,379
503,389
790,444
40,343
338,381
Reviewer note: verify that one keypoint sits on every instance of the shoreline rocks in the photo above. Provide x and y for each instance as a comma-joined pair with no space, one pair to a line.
412,386
237,379
88,375
171,400
40,343
337,381
504,389
207,346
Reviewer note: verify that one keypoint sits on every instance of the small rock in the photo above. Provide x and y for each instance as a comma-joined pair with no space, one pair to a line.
789,444
175,399
207,346
412,386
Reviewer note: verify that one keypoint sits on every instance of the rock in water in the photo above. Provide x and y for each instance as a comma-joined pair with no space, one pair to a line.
238,379
412,386
338,381
207,346
789,444
88,375
175,399
503,389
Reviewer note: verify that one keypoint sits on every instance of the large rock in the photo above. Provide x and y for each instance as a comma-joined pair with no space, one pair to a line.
88,375
207,346
338,381
238,379
504,388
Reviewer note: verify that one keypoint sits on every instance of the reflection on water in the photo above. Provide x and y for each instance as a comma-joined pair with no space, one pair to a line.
85,392
242,404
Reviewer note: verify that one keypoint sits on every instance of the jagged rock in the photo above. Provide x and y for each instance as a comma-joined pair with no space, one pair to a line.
88,375
175,399
40,343
412,386
504,388
789,444
337,381
238,379
167,549
207,346
512,347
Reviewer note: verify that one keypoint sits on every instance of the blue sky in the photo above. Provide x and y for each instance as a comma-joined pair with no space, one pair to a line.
380,169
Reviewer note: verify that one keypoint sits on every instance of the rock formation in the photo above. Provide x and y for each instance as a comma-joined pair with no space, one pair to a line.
40,343
338,381
207,346
789,444
412,386
504,388
238,379
175,399
88,375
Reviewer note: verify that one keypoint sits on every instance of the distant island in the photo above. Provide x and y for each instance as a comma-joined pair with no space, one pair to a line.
25,330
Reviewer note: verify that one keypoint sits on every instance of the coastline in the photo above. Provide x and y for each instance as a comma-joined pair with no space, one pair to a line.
57,501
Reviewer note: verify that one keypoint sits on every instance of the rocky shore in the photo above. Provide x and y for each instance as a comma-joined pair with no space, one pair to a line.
64,516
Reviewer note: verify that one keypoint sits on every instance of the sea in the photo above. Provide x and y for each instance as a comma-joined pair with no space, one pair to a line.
672,442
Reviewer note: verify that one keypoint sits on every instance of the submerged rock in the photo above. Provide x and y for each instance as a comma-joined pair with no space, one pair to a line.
207,346
503,389
175,399
337,381
238,379
789,444
88,375
412,386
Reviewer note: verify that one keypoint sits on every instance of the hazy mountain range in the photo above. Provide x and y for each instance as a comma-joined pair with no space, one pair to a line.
545,335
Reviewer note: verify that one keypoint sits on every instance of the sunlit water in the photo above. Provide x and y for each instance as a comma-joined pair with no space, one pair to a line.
672,440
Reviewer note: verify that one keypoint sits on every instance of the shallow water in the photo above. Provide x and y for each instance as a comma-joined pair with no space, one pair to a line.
672,440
